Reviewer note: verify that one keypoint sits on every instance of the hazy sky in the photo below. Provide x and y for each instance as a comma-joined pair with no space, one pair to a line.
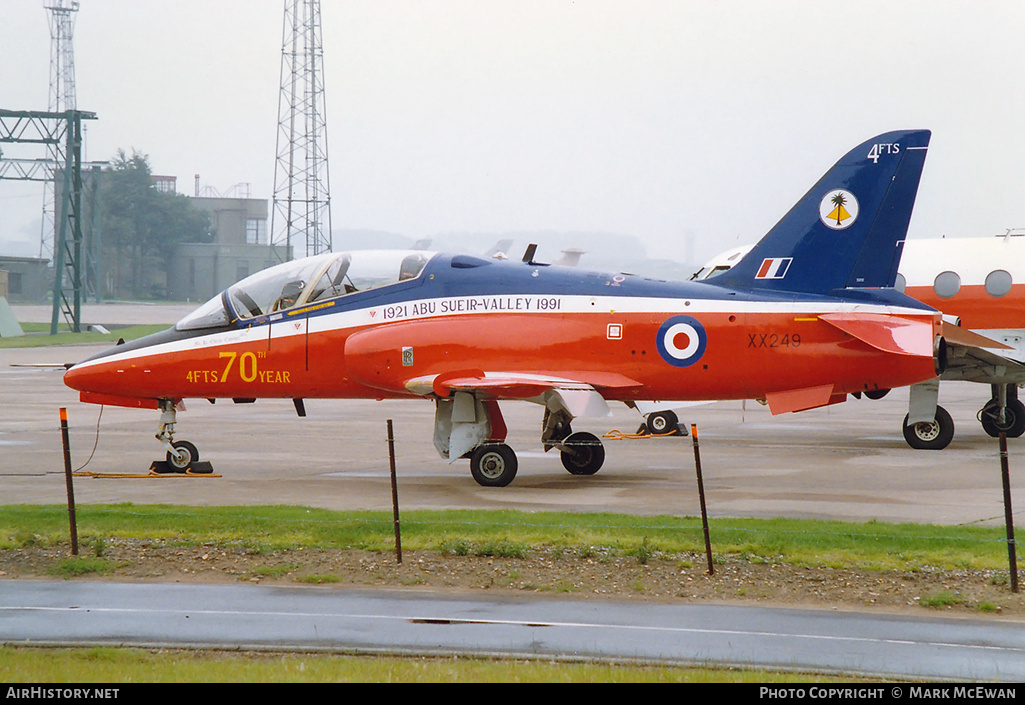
686,121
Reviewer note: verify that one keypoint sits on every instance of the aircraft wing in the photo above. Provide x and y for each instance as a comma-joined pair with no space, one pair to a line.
579,398
976,358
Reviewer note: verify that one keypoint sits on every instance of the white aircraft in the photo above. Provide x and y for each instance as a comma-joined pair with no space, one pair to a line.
979,286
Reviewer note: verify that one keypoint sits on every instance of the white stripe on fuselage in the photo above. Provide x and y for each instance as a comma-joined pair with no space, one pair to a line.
295,322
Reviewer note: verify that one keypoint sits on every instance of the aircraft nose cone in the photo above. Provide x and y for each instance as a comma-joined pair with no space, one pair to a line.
74,377
89,378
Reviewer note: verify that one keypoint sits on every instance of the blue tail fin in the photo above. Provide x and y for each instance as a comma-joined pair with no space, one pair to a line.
848,230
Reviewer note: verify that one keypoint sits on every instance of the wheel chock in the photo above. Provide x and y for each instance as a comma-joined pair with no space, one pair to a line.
162,467
159,468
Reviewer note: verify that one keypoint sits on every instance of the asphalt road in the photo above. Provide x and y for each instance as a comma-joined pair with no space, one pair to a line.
251,617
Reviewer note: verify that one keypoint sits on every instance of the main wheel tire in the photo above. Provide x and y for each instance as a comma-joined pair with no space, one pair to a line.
584,455
934,435
1018,427
187,454
662,422
1014,419
493,465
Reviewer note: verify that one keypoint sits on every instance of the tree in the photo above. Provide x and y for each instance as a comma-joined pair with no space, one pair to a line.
141,226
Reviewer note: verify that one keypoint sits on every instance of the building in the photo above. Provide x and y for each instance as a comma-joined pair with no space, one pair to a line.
240,246
201,270
28,279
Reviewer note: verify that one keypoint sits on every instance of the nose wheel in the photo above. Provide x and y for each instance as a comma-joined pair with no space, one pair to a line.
182,455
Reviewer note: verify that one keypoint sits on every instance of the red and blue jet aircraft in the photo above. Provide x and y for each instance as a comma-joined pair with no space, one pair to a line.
806,318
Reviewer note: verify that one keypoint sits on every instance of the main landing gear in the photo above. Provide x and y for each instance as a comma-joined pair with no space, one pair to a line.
581,453
927,426
494,464
930,435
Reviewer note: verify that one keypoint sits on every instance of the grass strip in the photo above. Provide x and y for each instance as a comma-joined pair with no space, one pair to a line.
831,544
37,335
129,666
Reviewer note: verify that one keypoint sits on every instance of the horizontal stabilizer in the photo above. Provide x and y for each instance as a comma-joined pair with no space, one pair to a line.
802,399
892,334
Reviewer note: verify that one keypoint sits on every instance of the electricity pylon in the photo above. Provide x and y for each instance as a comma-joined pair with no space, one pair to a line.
301,215
62,98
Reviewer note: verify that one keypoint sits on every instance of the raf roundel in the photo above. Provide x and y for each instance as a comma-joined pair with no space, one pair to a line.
681,341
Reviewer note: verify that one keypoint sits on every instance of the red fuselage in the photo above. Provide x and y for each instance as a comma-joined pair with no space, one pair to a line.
629,347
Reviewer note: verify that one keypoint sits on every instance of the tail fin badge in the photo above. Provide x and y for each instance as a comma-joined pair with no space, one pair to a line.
774,268
838,209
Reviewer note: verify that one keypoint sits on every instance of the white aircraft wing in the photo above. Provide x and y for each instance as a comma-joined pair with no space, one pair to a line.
975,357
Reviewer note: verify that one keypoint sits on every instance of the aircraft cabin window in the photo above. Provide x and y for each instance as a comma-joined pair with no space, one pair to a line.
277,288
373,269
706,273
290,294
334,282
998,283
323,277
947,284
901,283
411,267
212,314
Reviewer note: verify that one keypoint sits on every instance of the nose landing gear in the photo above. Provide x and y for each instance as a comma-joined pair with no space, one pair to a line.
181,456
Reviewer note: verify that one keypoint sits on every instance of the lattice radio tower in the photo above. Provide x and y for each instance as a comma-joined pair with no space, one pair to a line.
62,98
301,216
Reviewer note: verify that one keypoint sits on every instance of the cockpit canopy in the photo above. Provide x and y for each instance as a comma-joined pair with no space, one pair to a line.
307,281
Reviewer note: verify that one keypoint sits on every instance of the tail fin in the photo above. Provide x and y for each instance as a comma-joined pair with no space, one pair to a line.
848,231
